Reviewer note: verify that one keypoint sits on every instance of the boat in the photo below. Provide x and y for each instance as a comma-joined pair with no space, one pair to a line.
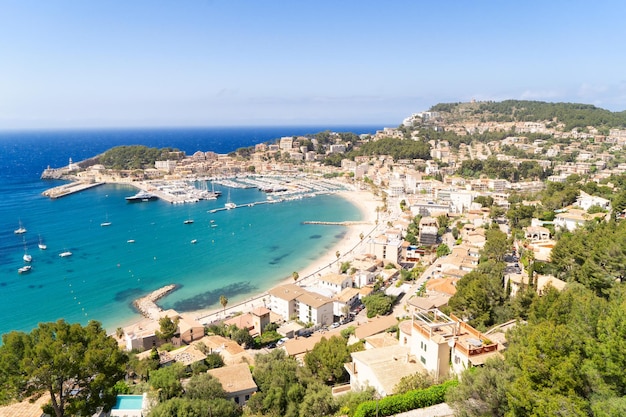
24,269
106,223
65,254
130,241
142,196
229,204
194,241
42,245
20,230
188,221
27,258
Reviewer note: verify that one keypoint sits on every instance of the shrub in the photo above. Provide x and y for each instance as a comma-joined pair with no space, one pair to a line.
411,400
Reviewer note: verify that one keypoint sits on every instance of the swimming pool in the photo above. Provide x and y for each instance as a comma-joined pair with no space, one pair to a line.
128,402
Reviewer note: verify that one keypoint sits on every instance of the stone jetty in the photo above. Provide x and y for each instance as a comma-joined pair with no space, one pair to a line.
147,305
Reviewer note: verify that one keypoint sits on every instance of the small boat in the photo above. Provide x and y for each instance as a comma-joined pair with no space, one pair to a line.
65,254
24,269
106,223
130,241
42,245
20,230
213,225
188,221
194,241
27,258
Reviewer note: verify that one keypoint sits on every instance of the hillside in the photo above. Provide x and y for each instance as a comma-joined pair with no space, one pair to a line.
568,115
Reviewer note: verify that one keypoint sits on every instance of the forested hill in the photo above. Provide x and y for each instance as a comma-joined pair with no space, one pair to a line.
570,115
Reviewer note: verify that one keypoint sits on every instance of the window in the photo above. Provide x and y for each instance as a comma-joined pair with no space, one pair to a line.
247,397
423,360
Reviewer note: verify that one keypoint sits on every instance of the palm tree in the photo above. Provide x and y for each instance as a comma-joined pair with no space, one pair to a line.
295,275
119,332
223,302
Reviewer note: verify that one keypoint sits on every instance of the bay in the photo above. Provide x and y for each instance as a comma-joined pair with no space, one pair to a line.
238,252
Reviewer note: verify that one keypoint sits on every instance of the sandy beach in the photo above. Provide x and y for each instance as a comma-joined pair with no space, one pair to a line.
367,203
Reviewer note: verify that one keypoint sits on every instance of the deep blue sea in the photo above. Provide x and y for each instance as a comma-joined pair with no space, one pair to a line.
250,250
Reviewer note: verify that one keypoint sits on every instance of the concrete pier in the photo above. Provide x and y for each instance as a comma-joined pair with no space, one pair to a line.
71,188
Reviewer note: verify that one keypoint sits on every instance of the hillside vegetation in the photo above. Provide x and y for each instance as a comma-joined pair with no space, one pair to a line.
571,115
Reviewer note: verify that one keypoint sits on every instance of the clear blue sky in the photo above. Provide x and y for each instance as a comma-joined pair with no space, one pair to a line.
218,63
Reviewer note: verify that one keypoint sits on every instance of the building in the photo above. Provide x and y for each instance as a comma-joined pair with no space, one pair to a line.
445,345
283,300
381,368
315,309
237,382
335,282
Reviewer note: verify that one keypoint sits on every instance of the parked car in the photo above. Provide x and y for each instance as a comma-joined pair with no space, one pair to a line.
334,325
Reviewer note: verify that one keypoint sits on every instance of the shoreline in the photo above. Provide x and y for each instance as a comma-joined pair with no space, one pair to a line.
348,246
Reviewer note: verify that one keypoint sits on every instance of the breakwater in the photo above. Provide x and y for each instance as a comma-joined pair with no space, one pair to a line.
147,305
347,223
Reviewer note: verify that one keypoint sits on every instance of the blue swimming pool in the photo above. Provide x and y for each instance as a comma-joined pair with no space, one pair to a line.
128,402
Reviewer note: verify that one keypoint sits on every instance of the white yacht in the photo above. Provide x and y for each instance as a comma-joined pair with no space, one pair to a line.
42,245
65,254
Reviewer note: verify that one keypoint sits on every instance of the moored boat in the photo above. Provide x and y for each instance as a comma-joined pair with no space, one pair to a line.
65,254
24,269
142,196
20,230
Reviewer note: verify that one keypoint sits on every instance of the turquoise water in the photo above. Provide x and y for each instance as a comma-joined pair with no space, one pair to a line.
250,249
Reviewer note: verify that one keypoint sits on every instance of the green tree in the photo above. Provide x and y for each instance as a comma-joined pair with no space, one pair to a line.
378,304
418,380
327,358
318,401
443,250
167,381
204,386
223,302
186,407
496,245
77,366
482,391
167,328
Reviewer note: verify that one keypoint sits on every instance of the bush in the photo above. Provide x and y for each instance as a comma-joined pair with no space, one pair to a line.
412,400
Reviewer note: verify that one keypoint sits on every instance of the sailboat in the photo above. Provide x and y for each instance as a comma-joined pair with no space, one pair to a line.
106,222
229,204
27,257
42,245
20,230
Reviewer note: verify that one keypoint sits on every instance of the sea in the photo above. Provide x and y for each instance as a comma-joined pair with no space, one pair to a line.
238,253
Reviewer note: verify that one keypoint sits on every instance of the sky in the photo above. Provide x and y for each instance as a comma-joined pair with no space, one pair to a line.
140,63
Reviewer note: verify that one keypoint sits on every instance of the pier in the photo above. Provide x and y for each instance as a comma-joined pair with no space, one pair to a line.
71,188
147,305
346,223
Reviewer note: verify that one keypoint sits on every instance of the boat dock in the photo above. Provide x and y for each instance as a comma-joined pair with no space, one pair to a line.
71,188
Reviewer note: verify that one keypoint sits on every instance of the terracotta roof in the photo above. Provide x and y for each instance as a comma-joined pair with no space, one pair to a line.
234,378
374,326
25,408
286,292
